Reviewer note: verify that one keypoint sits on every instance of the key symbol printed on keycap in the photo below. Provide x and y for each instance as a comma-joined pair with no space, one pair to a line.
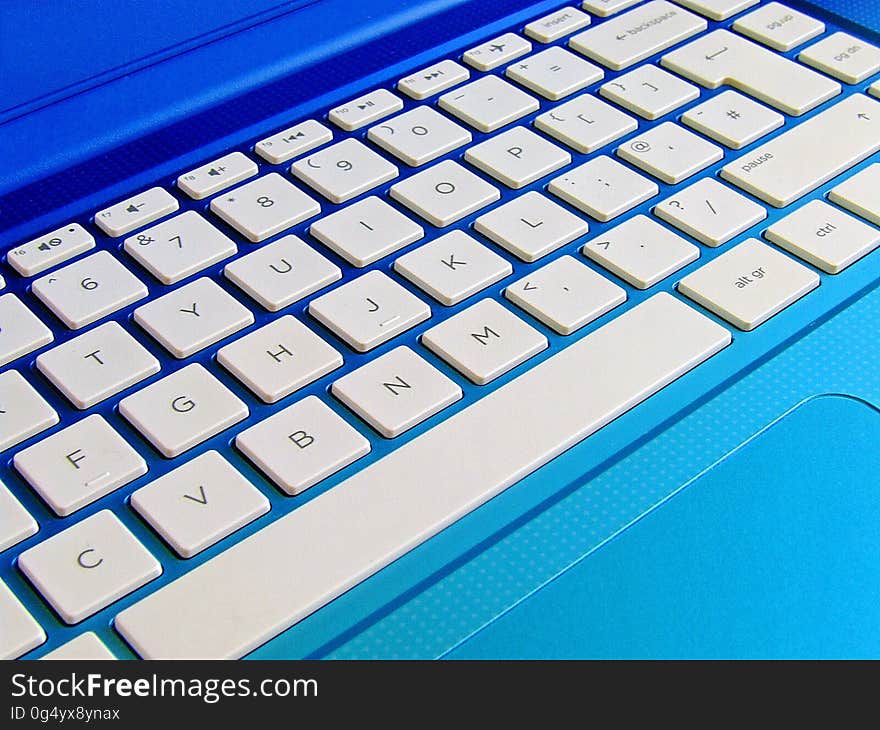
86,560
201,499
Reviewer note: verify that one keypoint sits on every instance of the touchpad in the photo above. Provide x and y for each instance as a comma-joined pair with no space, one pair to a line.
774,552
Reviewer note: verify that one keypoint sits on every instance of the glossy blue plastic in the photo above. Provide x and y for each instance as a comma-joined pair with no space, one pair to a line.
124,134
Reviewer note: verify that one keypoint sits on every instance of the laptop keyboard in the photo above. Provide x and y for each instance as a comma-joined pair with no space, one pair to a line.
493,206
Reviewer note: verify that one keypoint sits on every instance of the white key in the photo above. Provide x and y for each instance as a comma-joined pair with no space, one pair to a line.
649,91
779,26
670,153
85,647
179,247
554,73
732,119
585,124
365,109
718,9
97,364
452,267
844,57
21,331
54,248
21,632
710,212
302,445
603,188
824,236
264,207
565,295
641,251
183,409
791,165
217,175
531,226
434,79
517,157
366,231
722,57
419,135
749,284
484,341
604,8
632,37
89,289
444,193
18,523
344,170
874,89
23,412
498,51
369,310
488,103
199,503
458,465
396,391
79,464
556,25
193,317
293,141
282,273
279,358
124,217
860,194
88,566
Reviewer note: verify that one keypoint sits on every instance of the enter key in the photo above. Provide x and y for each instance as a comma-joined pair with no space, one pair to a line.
798,161
749,284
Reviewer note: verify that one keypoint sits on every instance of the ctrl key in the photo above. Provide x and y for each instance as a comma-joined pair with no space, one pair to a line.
88,566
749,284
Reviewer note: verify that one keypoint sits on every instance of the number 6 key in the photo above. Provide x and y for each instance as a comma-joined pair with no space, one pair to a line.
89,290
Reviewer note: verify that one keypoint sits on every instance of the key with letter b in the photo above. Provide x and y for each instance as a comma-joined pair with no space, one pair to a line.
302,445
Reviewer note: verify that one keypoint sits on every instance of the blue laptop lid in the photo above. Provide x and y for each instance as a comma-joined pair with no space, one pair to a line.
50,51
115,119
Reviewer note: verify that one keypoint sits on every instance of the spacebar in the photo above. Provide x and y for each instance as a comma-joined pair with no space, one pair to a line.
258,588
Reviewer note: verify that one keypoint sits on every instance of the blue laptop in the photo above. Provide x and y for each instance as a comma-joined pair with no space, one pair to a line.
450,329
